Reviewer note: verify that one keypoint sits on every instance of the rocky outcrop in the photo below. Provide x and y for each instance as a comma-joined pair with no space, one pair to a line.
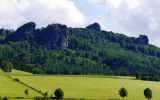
54,36
28,27
21,32
24,29
94,26
142,39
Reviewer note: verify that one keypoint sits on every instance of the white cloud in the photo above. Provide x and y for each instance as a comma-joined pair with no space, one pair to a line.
131,17
135,17
95,2
153,24
14,13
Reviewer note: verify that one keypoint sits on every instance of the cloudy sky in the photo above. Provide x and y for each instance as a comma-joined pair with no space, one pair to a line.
130,17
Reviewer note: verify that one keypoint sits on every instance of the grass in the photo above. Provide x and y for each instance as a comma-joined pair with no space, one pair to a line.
92,87
15,72
10,88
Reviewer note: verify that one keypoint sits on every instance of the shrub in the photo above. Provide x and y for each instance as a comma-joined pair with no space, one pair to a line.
46,94
19,97
148,93
26,92
5,98
17,80
150,78
123,92
59,94
6,66
138,75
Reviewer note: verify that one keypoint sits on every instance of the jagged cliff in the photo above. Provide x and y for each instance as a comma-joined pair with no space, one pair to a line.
54,36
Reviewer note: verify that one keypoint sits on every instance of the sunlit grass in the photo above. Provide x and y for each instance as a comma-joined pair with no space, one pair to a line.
10,88
93,87
15,72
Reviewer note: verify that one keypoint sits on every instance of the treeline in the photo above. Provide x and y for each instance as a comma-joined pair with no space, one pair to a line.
88,52
147,78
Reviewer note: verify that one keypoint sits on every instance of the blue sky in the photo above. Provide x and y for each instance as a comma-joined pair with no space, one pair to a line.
130,17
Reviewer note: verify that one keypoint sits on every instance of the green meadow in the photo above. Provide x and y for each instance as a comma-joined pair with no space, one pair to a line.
76,86
92,87
11,89
15,72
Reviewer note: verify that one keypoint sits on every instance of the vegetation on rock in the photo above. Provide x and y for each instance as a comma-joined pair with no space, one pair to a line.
57,49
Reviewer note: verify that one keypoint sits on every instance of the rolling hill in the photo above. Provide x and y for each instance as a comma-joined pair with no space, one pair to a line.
58,49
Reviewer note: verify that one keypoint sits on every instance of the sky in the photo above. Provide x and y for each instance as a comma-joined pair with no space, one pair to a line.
129,17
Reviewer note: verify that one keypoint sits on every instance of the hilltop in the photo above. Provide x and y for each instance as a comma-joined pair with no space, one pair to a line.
58,49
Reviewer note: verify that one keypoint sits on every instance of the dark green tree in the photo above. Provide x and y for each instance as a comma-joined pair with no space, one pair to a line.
59,94
148,93
6,66
123,92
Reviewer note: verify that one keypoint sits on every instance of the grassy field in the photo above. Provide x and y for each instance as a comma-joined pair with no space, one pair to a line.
92,87
11,88
85,86
15,72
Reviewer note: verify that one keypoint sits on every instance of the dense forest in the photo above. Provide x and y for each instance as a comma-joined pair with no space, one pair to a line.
58,49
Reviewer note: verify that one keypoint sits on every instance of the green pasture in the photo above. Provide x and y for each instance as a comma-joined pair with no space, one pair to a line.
92,87
12,89
15,72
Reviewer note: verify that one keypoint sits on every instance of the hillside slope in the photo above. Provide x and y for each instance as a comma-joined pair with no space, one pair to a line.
15,72
58,49
12,89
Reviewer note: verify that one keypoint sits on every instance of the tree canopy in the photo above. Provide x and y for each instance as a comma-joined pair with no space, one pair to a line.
6,66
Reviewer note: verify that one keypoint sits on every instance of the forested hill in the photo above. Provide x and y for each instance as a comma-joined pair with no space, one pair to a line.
58,49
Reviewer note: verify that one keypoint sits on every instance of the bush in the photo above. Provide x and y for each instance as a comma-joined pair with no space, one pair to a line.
123,92
46,94
138,75
5,98
150,78
6,66
148,93
19,97
26,92
59,94
17,80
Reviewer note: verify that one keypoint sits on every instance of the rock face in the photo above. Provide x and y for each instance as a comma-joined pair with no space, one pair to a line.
142,39
54,36
94,26
28,27
20,33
